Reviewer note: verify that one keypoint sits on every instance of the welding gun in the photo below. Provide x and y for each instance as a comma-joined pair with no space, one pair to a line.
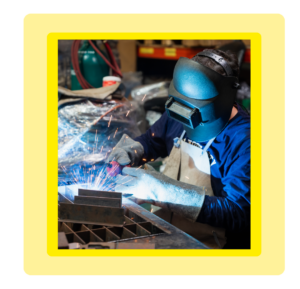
114,168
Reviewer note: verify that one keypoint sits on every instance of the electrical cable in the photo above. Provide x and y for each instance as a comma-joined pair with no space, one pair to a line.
113,66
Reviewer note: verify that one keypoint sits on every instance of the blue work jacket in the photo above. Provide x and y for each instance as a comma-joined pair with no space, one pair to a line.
230,172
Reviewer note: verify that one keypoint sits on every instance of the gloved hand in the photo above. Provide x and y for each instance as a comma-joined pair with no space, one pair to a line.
127,151
155,188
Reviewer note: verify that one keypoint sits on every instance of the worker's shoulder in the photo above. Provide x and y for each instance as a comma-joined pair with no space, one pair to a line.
239,126
237,133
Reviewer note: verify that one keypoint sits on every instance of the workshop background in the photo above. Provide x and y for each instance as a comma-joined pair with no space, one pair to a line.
106,89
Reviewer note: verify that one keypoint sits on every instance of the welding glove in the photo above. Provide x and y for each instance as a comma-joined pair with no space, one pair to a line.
155,188
127,151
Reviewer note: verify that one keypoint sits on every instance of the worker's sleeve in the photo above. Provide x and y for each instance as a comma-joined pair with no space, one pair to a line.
153,140
231,210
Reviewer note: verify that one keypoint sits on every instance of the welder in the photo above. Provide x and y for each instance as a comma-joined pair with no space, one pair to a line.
205,186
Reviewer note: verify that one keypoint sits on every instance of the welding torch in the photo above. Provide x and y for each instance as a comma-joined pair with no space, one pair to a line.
114,169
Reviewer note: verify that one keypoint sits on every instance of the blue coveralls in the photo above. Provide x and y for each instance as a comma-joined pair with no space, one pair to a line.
230,173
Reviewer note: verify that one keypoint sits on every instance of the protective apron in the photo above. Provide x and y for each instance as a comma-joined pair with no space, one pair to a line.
190,164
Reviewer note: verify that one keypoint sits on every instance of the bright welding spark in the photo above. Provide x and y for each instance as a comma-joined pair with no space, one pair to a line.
115,132
152,134
135,151
144,160
109,120
127,113
123,183
143,97
152,160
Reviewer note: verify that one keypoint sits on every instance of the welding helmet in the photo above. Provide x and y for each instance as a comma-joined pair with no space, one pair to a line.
201,98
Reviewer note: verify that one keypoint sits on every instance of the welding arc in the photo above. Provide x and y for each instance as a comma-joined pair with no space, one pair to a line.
75,62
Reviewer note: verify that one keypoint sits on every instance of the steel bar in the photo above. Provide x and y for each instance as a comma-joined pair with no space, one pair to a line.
106,235
86,214
98,201
89,236
91,227
62,241
128,221
137,230
63,199
123,233
132,216
74,238
64,228
151,228
101,194
77,227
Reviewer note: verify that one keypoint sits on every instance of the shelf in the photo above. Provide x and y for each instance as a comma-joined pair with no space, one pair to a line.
174,53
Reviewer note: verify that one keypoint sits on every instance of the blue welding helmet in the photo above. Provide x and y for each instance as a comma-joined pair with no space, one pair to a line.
200,98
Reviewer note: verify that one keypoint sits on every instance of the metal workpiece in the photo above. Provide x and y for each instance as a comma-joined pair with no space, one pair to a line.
87,214
101,194
62,241
106,235
128,220
128,226
170,238
107,245
122,233
137,230
63,199
89,236
98,201
74,238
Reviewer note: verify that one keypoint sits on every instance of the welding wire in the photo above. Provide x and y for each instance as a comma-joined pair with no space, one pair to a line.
109,120
101,149
127,113
143,97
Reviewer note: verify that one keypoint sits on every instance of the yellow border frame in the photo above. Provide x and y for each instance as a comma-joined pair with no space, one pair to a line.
33,26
